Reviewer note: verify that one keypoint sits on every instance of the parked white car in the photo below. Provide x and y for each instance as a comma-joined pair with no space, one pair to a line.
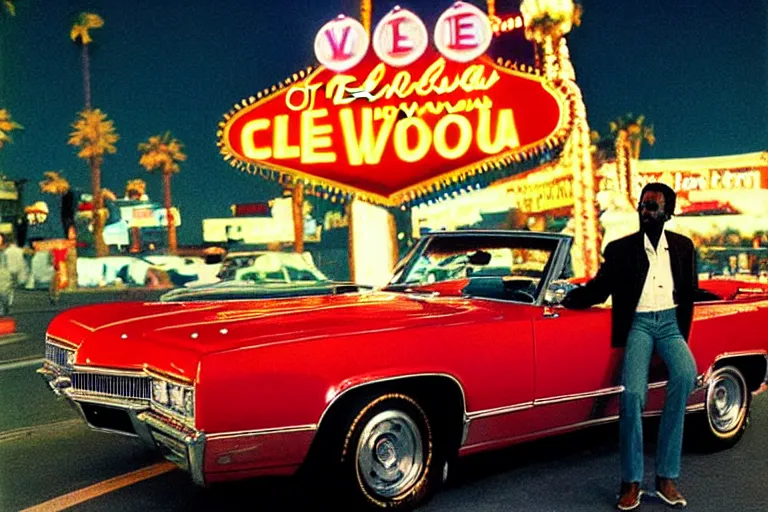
265,266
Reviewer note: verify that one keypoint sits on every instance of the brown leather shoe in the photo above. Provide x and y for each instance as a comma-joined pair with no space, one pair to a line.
629,496
667,491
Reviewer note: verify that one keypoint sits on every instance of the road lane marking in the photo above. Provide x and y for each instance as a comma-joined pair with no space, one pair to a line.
13,337
21,363
99,489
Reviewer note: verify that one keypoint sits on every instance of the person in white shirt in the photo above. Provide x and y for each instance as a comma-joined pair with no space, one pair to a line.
17,265
651,276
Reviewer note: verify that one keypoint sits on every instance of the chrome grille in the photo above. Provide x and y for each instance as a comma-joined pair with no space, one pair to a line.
122,386
56,354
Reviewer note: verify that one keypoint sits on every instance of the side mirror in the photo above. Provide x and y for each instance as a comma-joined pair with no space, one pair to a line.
557,290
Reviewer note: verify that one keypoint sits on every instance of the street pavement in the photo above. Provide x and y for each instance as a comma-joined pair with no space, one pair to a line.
47,452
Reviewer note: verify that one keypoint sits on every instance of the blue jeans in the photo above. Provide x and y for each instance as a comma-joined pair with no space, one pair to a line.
657,331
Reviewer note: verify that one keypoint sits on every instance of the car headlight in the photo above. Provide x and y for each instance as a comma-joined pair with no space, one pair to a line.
176,398
160,392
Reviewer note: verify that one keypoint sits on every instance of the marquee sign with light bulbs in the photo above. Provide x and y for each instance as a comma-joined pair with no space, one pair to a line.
398,117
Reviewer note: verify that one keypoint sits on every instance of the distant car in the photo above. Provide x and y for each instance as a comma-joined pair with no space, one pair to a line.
263,274
265,267
247,290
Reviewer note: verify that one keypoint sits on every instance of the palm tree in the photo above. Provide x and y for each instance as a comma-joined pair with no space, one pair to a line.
80,35
95,136
163,153
7,125
637,132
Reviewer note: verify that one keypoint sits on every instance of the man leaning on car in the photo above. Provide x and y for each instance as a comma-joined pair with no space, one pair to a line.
651,277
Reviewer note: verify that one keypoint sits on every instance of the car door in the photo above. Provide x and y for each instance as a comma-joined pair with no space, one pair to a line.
577,371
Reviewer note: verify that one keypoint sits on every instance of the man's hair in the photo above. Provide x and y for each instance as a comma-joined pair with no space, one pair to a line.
669,196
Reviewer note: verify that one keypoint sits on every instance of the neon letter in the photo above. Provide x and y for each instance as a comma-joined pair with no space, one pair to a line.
280,142
338,48
246,139
506,131
400,43
462,36
465,136
315,137
368,147
405,153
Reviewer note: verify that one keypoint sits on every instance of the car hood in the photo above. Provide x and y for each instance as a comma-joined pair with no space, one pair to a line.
173,337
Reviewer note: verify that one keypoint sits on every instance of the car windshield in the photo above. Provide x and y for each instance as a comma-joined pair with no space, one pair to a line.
524,260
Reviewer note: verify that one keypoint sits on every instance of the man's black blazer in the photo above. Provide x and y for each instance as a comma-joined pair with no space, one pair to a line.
622,275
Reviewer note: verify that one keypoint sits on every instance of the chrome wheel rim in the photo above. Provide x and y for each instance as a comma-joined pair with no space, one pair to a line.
726,401
390,454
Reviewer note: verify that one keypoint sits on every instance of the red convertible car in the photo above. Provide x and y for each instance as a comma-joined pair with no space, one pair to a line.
381,391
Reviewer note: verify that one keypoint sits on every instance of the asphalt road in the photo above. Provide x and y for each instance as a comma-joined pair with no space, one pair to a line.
47,452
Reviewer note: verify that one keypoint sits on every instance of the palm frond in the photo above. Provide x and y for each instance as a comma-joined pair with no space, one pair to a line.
161,153
86,21
93,134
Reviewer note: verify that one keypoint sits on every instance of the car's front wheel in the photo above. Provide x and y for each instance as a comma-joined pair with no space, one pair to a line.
726,413
389,458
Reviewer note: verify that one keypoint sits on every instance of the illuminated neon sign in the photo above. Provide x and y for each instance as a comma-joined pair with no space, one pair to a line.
390,119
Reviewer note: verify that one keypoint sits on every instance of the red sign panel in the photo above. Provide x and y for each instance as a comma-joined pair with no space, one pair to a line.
386,133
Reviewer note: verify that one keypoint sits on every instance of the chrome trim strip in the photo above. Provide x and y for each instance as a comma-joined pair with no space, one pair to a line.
60,342
262,432
108,371
688,408
485,413
580,396
170,377
118,403
726,355
582,424
657,385
390,379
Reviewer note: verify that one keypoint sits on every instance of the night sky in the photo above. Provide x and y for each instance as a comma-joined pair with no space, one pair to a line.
697,69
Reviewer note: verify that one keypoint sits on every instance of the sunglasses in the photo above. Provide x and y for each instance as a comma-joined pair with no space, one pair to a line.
651,206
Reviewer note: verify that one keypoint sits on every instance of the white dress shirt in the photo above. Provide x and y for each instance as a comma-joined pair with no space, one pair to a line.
659,286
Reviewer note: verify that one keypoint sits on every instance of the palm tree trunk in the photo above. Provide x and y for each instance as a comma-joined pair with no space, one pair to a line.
98,207
86,62
298,216
168,215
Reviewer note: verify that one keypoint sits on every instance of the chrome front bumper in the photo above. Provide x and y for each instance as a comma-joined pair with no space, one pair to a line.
177,442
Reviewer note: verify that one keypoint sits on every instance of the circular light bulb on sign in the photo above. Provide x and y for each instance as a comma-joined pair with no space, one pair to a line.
400,38
463,32
341,44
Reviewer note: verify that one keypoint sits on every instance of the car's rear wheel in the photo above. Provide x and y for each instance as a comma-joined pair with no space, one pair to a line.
726,413
389,458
